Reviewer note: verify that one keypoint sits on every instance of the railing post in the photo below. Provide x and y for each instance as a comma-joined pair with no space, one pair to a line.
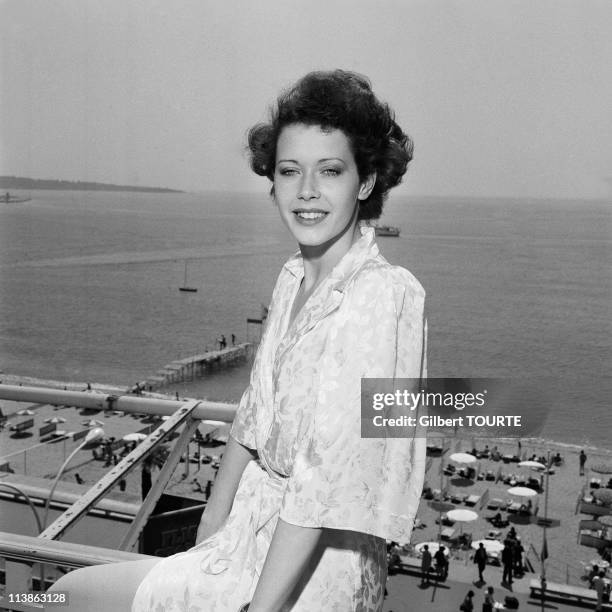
131,537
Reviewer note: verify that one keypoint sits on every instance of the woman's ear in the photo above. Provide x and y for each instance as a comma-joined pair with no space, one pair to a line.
366,187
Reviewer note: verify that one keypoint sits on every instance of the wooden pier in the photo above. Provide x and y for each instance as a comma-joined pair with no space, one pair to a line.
190,368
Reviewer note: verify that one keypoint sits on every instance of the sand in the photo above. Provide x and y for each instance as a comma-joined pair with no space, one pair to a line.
566,555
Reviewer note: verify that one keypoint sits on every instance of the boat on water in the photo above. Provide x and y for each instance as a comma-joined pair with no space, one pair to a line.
7,198
185,287
386,230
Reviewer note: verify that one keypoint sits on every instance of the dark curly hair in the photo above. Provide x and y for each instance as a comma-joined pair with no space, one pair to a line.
341,100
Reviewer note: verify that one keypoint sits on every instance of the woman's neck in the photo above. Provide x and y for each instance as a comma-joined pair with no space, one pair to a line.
320,260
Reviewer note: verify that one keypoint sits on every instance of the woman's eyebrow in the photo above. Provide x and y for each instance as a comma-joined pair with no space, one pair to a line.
320,161
328,159
323,160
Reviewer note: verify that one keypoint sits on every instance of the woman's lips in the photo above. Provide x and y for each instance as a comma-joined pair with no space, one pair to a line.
309,217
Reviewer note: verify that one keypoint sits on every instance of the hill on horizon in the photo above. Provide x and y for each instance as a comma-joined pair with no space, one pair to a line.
21,182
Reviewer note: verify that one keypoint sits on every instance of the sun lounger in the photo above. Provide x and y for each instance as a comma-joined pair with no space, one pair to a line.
495,504
514,507
22,426
472,500
493,558
493,534
447,533
500,523
445,520
595,483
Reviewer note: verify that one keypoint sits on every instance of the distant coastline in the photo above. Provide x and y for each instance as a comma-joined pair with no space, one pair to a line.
20,182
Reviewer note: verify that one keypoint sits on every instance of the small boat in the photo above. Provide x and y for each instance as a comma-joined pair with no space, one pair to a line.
7,198
186,287
386,230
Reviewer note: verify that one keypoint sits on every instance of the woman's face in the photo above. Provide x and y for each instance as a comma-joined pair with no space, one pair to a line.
317,186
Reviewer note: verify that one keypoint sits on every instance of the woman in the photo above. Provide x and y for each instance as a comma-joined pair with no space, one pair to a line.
302,504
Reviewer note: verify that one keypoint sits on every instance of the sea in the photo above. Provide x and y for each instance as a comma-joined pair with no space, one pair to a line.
516,289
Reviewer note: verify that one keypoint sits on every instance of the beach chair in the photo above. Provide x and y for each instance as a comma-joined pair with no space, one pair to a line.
595,483
493,558
445,520
472,500
495,504
456,498
447,533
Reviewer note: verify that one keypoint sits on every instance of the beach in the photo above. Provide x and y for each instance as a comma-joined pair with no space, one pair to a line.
566,556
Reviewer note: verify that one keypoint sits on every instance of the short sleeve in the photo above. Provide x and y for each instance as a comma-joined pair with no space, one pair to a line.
243,427
339,479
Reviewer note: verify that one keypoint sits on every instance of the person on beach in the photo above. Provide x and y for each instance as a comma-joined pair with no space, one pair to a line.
582,459
441,563
468,604
302,505
593,574
480,558
489,600
425,565
600,588
507,558
518,551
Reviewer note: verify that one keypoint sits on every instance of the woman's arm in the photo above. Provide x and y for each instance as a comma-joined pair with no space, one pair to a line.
288,556
234,460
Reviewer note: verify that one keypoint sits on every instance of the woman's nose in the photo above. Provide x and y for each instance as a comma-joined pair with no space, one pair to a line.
308,188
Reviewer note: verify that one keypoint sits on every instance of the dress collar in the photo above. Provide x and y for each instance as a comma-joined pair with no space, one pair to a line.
351,261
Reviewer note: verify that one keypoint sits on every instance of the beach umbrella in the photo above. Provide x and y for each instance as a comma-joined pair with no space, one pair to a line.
491,546
134,437
521,491
600,468
532,464
462,458
93,423
55,420
604,496
462,515
441,506
25,411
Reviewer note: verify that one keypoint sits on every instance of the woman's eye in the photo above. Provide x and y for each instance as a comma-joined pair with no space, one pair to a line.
287,171
331,171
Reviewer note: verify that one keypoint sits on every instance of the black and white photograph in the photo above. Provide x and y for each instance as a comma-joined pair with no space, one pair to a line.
305,305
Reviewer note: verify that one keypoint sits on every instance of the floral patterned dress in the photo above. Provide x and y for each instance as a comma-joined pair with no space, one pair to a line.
302,413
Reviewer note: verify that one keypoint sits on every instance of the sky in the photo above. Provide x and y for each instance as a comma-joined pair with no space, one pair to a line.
502,97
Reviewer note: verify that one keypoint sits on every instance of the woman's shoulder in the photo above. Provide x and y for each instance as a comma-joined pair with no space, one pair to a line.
378,275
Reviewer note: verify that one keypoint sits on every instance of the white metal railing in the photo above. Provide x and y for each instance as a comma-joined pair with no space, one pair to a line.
22,552
135,404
